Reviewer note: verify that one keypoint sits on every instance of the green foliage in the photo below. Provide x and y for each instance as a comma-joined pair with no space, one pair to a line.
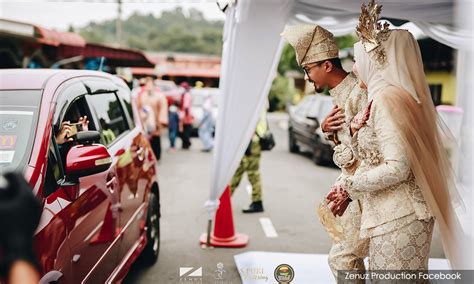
281,93
288,60
346,41
172,31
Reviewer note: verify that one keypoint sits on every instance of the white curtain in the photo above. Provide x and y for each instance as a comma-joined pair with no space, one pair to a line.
430,11
251,52
453,37
465,100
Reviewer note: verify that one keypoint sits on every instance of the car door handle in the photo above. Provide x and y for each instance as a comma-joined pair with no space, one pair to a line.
110,181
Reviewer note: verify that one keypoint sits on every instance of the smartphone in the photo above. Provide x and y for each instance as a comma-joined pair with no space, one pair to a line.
75,127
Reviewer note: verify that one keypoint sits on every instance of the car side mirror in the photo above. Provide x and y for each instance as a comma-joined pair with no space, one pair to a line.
87,137
85,160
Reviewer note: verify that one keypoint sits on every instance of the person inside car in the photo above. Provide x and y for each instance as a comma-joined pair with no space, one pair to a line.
67,131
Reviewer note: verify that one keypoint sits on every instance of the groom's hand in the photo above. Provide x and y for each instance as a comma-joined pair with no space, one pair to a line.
333,122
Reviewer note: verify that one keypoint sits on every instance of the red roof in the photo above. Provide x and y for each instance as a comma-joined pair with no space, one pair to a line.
186,65
52,37
118,56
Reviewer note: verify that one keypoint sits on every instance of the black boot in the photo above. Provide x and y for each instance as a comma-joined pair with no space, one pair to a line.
254,207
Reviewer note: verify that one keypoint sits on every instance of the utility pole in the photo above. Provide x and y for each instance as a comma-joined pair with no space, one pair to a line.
118,24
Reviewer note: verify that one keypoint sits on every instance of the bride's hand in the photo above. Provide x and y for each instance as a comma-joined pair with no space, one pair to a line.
360,120
339,198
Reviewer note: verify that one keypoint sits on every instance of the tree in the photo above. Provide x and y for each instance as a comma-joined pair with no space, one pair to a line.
173,30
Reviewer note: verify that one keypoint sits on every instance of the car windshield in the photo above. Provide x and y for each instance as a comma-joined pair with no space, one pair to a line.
18,117
326,107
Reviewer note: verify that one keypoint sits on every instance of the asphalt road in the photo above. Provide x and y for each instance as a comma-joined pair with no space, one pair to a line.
292,186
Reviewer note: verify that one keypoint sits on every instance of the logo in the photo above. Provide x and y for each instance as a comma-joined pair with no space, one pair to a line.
9,124
220,271
253,274
284,273
190,275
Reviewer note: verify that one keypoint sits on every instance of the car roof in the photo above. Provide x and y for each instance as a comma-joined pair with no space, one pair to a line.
32,79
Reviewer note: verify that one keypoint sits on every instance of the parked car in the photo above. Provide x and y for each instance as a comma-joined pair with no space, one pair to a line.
100,195
169,89
304,129
197,95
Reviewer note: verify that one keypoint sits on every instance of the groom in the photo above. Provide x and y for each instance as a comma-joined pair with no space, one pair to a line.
318,55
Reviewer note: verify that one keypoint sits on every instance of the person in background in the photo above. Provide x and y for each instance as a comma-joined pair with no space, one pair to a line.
20,214
107,135
173,125
250,163
199,85
206,126
153,103
186,115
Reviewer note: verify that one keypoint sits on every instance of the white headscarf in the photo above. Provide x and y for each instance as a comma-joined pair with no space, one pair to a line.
415,117
403,67
367,72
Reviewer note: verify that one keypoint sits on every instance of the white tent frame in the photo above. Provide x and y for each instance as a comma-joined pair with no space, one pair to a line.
252,48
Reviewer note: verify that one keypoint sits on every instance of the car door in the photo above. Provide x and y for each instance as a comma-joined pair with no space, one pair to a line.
312,120
127,145
297,120
91,223
304,125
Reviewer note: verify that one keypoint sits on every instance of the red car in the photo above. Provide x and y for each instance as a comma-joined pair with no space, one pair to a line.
99,192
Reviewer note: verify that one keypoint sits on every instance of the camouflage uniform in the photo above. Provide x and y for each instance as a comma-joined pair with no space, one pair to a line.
250,164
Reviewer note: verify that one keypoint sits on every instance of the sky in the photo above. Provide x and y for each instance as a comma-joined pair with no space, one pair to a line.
59,15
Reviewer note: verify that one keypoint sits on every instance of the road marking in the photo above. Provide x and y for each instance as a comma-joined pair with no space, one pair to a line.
268,228
249,189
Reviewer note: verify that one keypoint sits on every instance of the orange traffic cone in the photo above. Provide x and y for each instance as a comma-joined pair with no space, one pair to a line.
224,234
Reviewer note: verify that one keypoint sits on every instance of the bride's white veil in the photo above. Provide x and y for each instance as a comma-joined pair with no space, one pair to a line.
422,131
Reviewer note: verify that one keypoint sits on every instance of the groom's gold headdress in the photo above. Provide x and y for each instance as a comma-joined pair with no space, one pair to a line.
372,33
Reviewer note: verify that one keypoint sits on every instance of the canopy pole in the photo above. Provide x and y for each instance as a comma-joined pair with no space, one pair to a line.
209,227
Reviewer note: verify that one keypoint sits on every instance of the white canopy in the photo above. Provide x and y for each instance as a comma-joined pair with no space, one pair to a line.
252,48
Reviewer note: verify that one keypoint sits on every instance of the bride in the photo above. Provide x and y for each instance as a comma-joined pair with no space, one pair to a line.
403,178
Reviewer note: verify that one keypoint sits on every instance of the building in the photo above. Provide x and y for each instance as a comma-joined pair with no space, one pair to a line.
24,45
179,67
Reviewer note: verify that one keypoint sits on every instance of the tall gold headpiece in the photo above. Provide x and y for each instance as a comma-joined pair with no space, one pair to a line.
371,32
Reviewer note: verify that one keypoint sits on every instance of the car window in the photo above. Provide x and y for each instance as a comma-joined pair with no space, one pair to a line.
326,107
110,114
18,118
302,107
126,97
54,171
313,108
